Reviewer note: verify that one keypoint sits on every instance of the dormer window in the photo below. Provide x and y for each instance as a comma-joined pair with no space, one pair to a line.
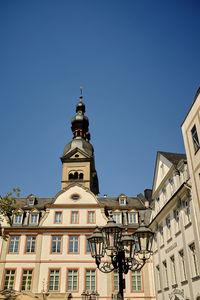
122,199
17,219
31,201
34,219
133,218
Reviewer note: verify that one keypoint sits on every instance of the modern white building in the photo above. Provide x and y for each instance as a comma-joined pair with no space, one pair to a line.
176,268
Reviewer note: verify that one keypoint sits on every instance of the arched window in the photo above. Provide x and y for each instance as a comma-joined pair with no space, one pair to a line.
71,176
81,176
76,175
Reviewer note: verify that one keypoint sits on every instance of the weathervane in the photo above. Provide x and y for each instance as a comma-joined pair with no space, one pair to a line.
81,91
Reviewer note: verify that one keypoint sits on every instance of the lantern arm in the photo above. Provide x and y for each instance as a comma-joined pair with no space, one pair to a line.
106,267
136,265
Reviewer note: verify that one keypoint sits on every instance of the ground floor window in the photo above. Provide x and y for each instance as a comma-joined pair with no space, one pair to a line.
136,280
9,279
72,280
90,280
26,280
54,278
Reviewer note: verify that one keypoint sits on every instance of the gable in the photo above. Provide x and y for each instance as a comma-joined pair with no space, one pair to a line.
77,155
76,195
162,168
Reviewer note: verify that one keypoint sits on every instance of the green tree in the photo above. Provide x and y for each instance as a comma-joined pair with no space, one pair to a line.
7,205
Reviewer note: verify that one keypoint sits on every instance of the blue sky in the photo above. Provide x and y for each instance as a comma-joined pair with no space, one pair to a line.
138,63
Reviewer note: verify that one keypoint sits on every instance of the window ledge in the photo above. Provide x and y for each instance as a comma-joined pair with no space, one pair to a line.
184,282
195,277
169,240
188,225
178,232
174,285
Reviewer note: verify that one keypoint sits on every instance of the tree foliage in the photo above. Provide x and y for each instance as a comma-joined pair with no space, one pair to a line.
7,205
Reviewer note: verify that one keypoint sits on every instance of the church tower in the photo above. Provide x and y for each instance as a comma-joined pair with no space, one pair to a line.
78,156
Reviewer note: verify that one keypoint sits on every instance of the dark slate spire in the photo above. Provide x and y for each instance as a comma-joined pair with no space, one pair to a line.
80,122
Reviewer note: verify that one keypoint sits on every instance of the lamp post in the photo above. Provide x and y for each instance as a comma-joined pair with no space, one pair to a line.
126,251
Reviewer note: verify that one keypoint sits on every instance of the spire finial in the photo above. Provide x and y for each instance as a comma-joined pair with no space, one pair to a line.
81,93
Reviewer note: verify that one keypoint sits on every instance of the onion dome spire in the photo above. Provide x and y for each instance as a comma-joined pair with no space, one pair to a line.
80,122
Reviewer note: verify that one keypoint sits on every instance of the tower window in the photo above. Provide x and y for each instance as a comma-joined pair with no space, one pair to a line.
81,176
76,175
71,176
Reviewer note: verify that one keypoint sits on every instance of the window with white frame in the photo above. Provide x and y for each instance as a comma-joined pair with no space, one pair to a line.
73,244
72,280
34,219
168,225
166,281
194,262
182,264
58,217
117,217
91,217
195,138
133,218
26,280
176,217
74,217
9,279
54,278
136,280
161,235
115,281
30,244
17,219
186,207
14,244
90,280
122,201
158,278
56,244
173,270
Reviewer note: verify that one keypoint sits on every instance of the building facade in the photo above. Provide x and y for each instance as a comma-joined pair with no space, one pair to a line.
191,135
47,251
176,268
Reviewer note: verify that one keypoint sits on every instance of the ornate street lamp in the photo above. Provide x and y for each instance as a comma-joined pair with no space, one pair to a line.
126,252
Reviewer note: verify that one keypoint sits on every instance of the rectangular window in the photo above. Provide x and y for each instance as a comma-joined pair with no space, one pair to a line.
87,246
115,281
166,281
74,217
158,278
14,244
195,138
56,244
176,217
182,264
72,280
161,235
30,244
168,224
117,218
90,280
58,217
186,206
26,280
136,280
122,201
34,219
17,219
73,244
54,278
173,270
194,263
91,217
9,279
133,218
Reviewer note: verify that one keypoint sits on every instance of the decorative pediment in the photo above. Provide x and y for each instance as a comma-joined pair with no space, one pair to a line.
162,168
75,194
75,154
34,211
